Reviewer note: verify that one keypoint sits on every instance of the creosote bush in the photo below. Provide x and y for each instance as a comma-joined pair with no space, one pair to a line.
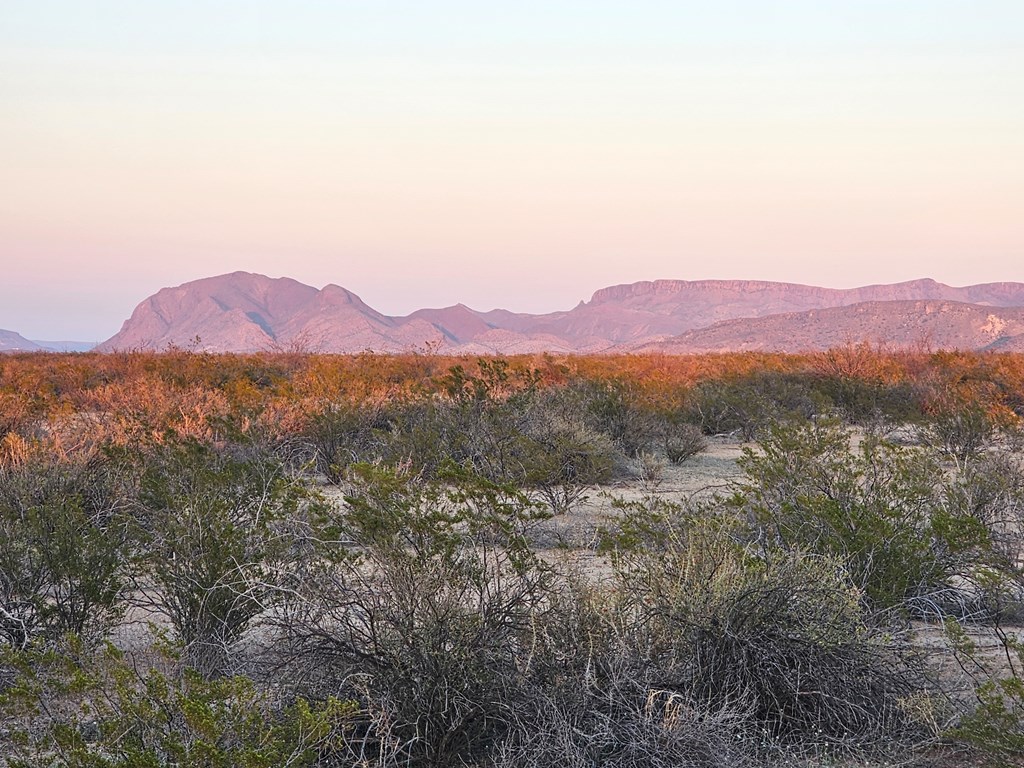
561,458
100,710
65,551
613,408
994,721
961,430
497,421
214,527
882,510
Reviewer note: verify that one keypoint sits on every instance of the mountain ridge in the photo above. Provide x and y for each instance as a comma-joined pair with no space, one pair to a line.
248,312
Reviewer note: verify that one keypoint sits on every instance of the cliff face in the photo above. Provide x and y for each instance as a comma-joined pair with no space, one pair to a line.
768,296
243,312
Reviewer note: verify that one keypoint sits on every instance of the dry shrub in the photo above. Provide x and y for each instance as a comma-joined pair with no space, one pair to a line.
624,725
14,450
593,697
684,441
422,615
147,407
782,637
15,411
650,471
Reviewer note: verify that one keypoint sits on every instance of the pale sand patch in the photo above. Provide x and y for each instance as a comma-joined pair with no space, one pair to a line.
713,472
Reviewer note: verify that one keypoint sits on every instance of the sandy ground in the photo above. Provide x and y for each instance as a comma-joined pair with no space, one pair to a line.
713,472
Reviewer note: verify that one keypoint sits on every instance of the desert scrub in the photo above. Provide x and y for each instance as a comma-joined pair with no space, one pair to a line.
71,708
993,720
425,614
881,511
65,552
215,529
683,441
346,433
782,637
561,457
614,408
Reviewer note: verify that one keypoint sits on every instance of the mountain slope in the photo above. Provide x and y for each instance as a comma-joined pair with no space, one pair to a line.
928,324
237,312
11,341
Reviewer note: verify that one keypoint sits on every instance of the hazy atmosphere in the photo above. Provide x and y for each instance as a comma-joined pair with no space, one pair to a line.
518,155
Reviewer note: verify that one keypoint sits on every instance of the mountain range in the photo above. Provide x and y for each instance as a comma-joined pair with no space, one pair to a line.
245,312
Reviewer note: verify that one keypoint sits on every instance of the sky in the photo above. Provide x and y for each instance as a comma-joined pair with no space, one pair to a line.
514,154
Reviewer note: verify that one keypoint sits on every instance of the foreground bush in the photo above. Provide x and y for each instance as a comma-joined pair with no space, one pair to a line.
781,638
65,550
423,616
594,694
882,512
214,529
992,720
79,710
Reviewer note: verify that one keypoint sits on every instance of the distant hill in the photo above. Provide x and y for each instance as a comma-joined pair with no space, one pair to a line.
66,346
246,312
243,312
15,342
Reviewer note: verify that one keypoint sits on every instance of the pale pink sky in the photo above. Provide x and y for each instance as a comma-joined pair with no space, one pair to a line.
426,154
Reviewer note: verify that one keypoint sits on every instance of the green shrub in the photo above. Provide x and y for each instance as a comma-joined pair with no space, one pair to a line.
560,458
725,407
65,553
990,490
961,431
480,422
104,711
614,408
865,401
215,528
994,721
879,511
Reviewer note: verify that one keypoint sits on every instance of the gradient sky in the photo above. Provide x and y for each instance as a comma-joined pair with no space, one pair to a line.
518,154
